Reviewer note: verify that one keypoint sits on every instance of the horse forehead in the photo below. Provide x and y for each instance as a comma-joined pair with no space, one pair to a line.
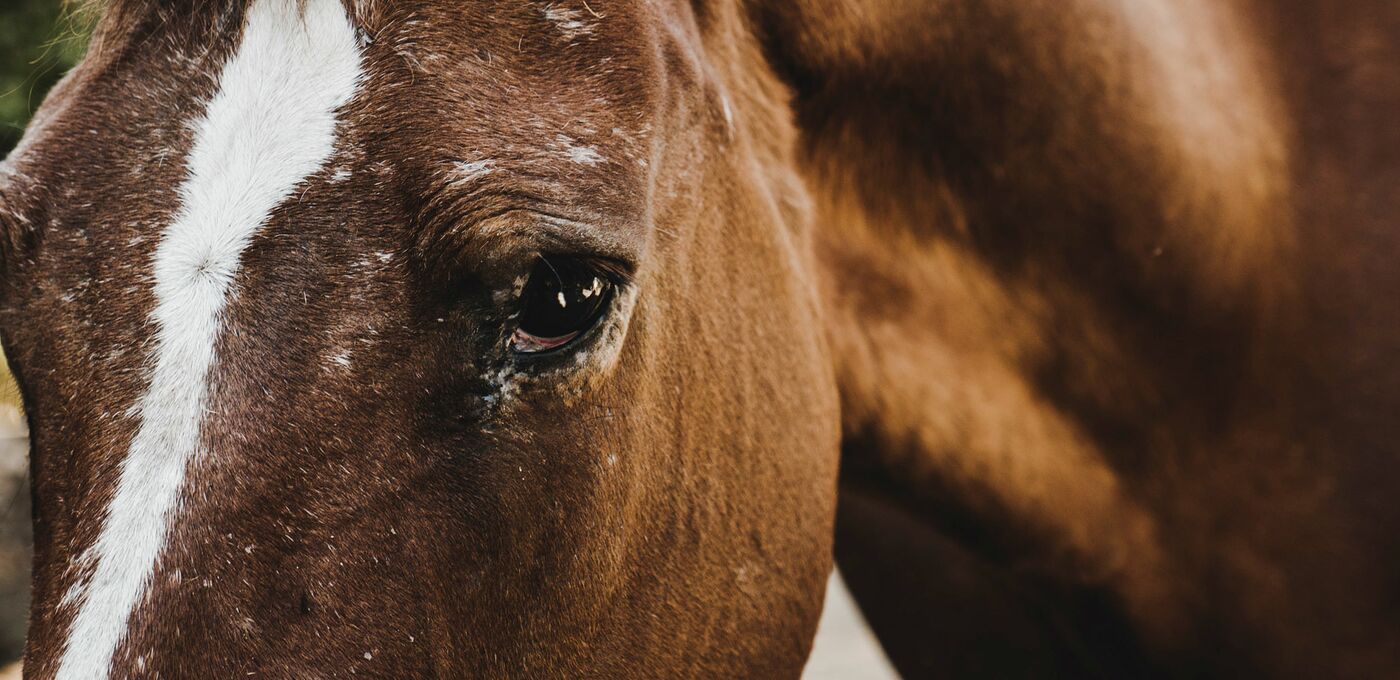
555,50
554,92
522,68
528,75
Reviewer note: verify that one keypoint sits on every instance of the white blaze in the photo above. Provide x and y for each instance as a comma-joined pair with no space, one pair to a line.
271,124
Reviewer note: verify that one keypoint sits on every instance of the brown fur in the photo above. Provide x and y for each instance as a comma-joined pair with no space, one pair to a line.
386,519
1092,296
1103,323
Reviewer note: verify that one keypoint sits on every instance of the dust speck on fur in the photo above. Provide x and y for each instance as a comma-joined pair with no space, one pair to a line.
341,359
570,22
578,153
469,170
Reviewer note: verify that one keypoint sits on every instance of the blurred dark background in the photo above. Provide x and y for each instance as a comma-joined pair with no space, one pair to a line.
39,41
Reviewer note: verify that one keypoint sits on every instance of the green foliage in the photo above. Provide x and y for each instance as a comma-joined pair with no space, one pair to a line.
39,42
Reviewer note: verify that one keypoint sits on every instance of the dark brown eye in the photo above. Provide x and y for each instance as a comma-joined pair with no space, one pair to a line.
563,298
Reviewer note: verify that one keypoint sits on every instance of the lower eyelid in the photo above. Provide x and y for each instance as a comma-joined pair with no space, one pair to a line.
526,343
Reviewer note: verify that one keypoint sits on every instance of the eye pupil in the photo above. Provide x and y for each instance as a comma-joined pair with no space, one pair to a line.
562,298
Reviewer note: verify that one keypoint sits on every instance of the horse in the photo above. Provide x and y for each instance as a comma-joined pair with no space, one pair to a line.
576,338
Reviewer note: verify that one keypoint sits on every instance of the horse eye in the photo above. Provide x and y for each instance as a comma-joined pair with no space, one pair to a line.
563,298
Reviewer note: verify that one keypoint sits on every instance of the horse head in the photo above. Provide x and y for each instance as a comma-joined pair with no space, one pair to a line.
413,338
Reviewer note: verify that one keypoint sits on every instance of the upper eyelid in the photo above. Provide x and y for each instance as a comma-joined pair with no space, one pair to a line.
455,210
563,236
449,202
514,232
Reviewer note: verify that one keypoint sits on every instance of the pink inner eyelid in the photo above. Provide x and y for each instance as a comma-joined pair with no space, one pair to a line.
525,342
